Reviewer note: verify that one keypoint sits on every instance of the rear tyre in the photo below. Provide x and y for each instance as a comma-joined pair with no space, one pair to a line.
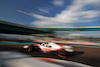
30,48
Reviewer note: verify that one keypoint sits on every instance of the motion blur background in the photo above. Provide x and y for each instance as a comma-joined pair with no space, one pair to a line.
40,14
53,13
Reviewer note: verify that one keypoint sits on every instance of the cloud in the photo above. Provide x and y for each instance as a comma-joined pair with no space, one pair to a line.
48,21
58,2
91,14
75,13
43,10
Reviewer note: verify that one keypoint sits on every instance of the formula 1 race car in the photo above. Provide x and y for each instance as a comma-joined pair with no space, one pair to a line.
50,47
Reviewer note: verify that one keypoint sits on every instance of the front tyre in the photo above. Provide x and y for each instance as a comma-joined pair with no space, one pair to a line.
62,54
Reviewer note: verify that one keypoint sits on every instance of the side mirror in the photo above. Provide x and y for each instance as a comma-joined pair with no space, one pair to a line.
49,46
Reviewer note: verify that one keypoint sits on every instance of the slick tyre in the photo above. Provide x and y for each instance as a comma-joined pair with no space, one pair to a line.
62,54
30,48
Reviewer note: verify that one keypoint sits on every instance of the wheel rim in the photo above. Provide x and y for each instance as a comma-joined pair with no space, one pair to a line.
30,48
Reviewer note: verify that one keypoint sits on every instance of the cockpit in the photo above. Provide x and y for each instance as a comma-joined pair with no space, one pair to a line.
46,45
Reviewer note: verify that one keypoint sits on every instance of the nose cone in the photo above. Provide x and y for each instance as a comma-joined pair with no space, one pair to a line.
68,48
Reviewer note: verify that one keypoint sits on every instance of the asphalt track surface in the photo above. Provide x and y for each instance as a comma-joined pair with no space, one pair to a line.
85,55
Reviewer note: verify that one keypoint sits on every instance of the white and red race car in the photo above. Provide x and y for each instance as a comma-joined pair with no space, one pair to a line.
50,47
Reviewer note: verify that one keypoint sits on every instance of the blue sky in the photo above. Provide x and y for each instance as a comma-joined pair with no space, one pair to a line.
51,13
58,13
40,7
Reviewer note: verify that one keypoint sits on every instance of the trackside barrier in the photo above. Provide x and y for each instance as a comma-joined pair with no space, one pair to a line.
21,43
79,45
